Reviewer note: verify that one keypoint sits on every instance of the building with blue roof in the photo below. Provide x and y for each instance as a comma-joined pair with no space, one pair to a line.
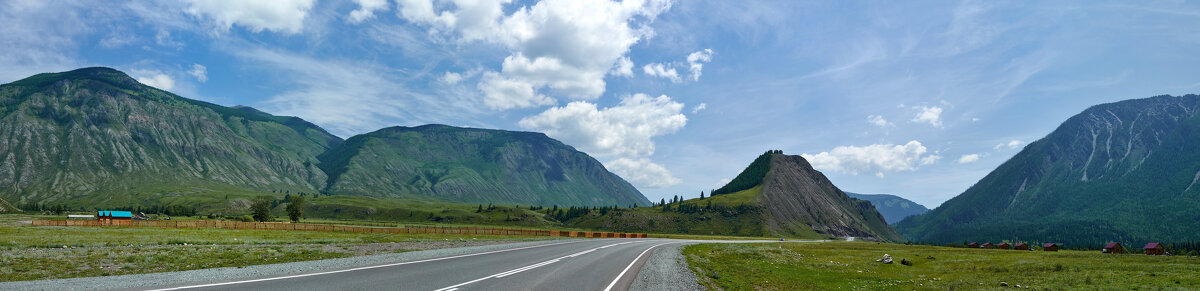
110,216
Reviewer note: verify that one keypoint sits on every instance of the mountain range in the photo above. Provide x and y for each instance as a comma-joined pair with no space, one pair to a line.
893,208
1124,172
95,137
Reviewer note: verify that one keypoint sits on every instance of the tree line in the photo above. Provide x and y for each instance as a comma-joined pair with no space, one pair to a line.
751,176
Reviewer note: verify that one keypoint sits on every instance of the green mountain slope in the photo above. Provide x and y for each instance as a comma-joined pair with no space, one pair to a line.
474,166
893,208
777,195
1124,171
95,136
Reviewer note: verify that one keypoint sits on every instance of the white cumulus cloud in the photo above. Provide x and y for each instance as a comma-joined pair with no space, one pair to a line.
643,172
875,159
879,121
366,10
200,72
560,48
156,79
452,78
971,158
662,71
1013,144
696,62
624,132
624,67
286,16
931,115
702,106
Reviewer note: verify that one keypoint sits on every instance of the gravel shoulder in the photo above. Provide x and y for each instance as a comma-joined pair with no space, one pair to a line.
666,269
236,273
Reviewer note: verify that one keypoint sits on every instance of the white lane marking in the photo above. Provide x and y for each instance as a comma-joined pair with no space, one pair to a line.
531,267
614,282
360,268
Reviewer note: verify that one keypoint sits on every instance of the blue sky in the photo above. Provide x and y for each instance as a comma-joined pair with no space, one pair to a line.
915,98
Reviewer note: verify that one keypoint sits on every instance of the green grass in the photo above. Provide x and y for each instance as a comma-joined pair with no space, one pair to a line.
53,236
851,265
36,253
40,264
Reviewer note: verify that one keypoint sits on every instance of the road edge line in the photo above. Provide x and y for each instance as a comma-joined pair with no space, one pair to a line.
635,260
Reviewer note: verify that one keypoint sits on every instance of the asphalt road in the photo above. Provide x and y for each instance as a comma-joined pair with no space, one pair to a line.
597,264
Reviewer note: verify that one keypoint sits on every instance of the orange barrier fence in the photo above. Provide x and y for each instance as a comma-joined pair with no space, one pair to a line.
323,227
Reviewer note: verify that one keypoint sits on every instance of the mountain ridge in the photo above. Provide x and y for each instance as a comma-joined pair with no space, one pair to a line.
1114,172
95,136
529,167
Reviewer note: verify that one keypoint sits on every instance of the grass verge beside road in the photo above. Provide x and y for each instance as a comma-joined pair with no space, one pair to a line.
38,253
851,265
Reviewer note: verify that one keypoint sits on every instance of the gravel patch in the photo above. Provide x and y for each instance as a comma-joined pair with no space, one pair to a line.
666,269
142,281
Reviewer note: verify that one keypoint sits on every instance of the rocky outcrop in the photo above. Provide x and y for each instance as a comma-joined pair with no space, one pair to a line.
795,195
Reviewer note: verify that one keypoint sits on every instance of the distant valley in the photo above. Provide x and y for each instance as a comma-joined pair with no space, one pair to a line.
893,208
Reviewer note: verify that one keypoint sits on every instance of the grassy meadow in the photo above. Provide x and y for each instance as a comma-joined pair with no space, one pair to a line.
852,266
37,253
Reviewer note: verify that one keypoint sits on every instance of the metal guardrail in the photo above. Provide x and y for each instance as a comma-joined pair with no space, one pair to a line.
324,227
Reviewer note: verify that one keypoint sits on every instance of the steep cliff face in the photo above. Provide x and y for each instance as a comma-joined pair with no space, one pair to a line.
1123,171
796,196
97,132
474,166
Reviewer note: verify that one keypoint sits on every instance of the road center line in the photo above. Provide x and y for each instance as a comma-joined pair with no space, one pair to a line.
361,268
534,266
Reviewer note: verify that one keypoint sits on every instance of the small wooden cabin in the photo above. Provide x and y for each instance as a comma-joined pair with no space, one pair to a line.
1004,246
1113,248
1154,248
1050,247
1021,247
973,245
988,246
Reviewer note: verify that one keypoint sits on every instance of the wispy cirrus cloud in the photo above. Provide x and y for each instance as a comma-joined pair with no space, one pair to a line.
349,97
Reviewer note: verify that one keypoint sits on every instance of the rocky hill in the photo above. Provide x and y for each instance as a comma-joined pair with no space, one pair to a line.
893,208
95,137
777,195
1124,171
797,196
474,166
